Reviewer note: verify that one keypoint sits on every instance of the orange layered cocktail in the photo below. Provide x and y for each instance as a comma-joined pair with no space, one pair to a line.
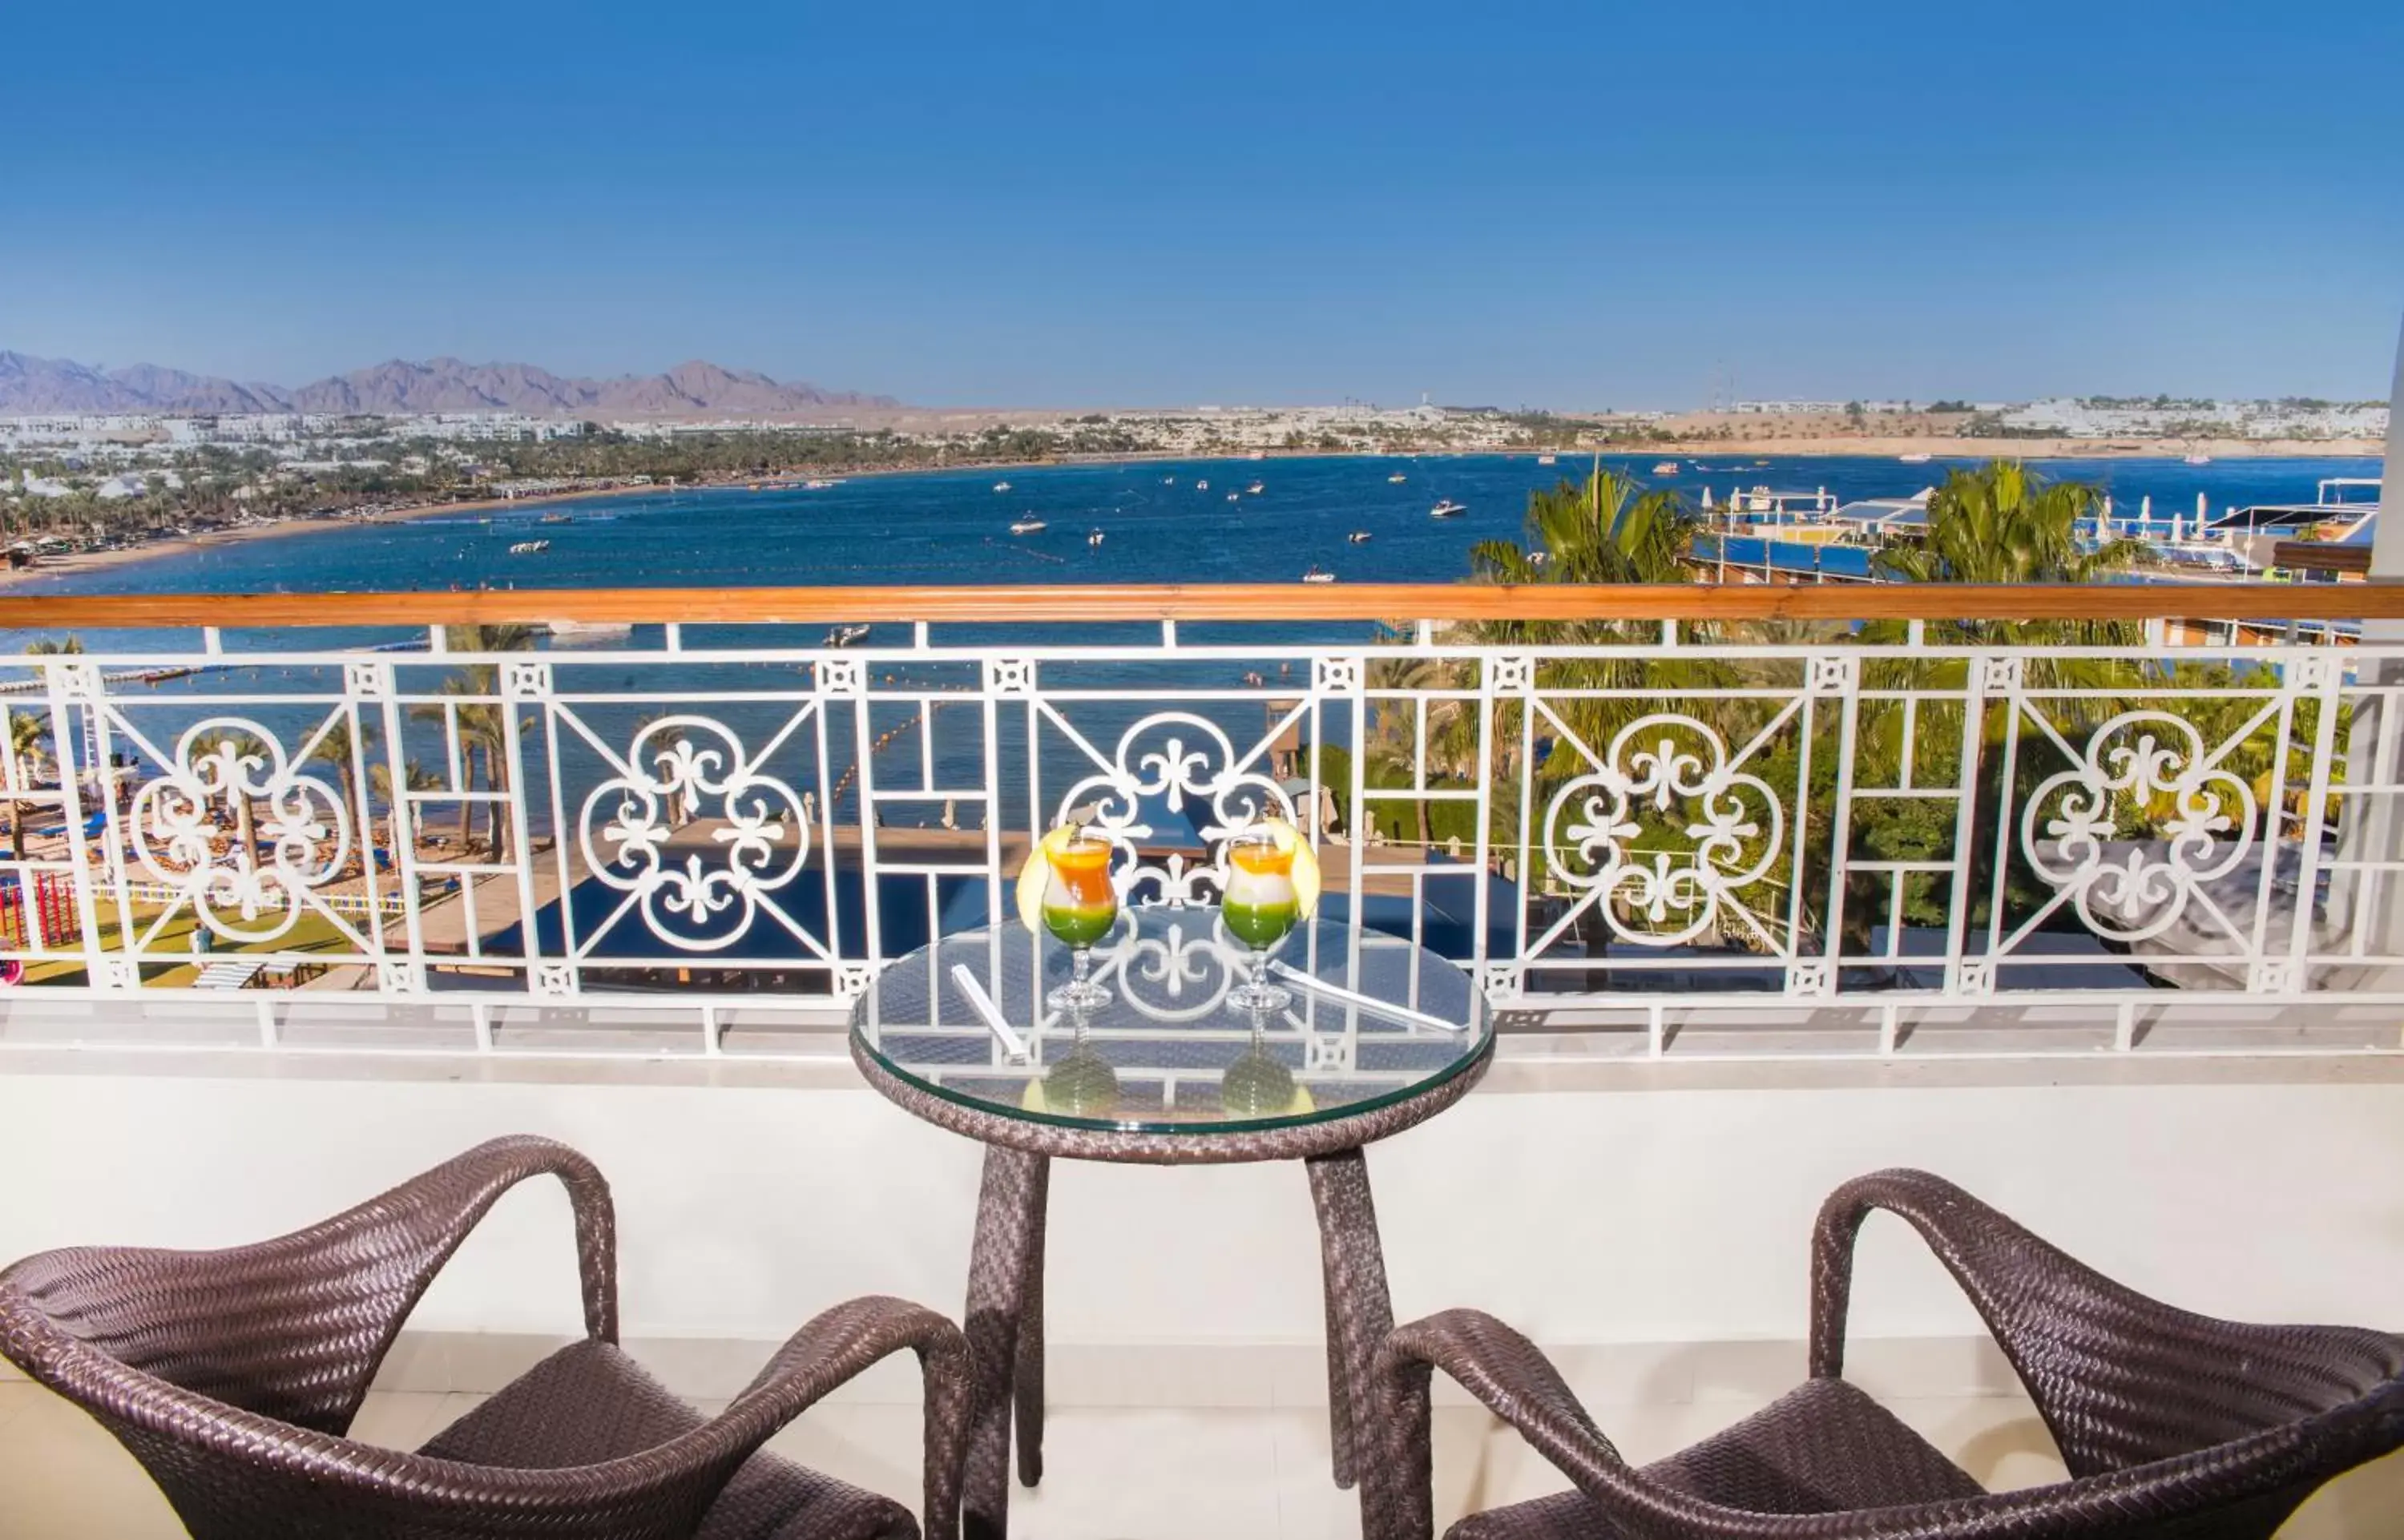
1259,907
1080,906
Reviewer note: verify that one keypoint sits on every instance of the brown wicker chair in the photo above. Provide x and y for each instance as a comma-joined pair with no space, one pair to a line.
2171,1425
233,1376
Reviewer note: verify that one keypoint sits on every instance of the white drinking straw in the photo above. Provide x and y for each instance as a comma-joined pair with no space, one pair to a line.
1011,1044
1311,981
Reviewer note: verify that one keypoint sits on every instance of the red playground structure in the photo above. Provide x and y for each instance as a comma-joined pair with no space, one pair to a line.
54,919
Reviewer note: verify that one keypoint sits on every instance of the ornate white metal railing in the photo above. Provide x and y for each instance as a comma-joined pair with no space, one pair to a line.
1727,834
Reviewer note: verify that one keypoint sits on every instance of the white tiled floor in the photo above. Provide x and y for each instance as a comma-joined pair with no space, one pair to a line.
1112,1473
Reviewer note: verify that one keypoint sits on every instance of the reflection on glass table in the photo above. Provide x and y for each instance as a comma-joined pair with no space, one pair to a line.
1170,1047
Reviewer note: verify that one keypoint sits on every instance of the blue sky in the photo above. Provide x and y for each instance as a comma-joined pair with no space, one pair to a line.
1574,205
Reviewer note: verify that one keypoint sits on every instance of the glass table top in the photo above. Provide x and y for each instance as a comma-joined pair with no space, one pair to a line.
1169,1052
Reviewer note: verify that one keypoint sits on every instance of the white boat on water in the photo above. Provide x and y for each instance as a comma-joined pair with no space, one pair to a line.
1168,481
820,483
1257,488
1667,468
2199,459
1447,510
1914,460
1397,478
1201,486
1094,538
1233,496
1028,526
529,548
1001,486
1318,574
1548,459
1358,537
843,635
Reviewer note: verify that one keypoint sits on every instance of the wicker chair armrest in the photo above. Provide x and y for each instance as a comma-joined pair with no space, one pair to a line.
2117,1377
1503,1369
456,1195
293,1328
1959,1228
835,1346
663,1490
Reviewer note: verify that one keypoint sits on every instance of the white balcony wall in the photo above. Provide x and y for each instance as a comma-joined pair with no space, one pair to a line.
1651,1215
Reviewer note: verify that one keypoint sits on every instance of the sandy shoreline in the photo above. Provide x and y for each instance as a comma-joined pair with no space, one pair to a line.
1941,448
96,561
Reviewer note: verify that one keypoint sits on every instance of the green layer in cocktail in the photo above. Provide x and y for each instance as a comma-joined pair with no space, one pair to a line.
1258,924
1079,924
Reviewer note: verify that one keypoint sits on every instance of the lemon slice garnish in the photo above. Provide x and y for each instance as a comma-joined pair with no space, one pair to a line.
1305,878
1035,875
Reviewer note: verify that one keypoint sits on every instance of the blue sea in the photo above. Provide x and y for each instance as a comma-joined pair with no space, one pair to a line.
1158,523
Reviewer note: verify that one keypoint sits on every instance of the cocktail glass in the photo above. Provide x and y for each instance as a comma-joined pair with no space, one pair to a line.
1259,908
1080,906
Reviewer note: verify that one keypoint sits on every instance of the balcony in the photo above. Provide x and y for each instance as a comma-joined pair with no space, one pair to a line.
2085,898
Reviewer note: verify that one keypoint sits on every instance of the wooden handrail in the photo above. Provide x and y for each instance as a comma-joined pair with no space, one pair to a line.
1461,601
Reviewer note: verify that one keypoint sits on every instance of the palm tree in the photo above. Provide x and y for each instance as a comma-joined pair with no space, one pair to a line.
665,741
2000,523
243,745
22,725
1609,530
2004,523
1394,729
482,724
336,745
414,777
26,731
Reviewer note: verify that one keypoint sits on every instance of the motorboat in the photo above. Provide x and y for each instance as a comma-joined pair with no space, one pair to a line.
556,518
529,548
1914,460
1548,459
2199,459
1001,486
1358,537
1030,524
1397,478
1318,574
843,635
1447,510
1257,488
1667,468
1094,538
1201,486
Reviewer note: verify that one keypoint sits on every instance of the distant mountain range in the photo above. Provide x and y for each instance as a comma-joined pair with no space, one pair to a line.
30,386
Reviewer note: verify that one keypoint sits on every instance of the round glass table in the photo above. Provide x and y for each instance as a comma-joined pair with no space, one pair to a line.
1376,1035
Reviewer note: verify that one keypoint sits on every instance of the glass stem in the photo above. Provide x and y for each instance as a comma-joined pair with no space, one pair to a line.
1260,969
